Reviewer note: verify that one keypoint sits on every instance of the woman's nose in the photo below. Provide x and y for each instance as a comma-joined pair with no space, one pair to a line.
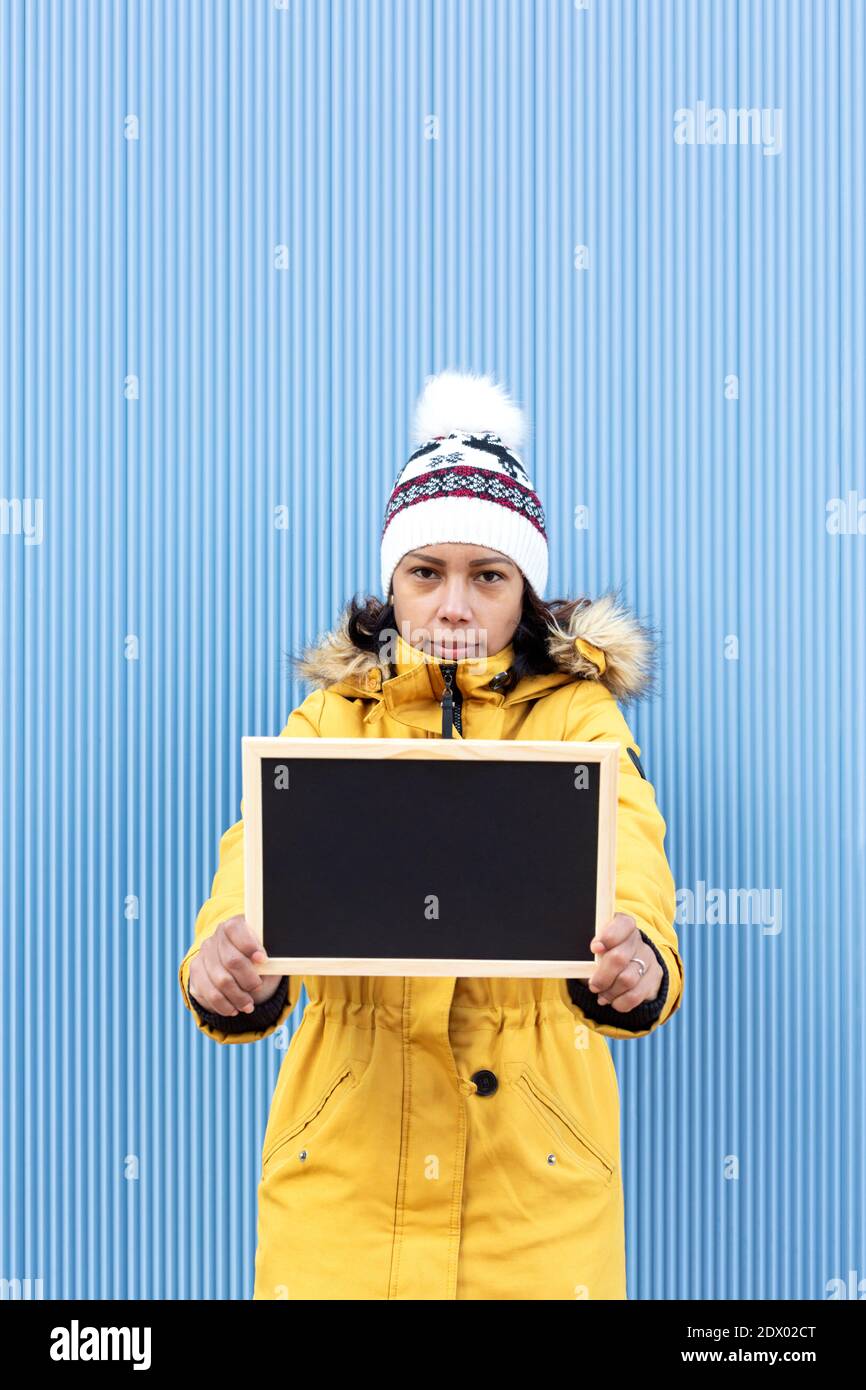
455,606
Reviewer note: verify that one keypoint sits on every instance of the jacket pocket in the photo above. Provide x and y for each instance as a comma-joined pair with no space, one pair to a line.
561,1124
339,1086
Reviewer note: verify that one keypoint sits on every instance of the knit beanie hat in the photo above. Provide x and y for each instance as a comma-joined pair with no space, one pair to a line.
465,481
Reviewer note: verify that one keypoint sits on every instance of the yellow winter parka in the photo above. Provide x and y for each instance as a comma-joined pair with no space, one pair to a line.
456,1138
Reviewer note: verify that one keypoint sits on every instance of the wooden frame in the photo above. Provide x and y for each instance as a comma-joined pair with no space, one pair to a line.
255,749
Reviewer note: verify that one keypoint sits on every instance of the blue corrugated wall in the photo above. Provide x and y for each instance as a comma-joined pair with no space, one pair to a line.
235,238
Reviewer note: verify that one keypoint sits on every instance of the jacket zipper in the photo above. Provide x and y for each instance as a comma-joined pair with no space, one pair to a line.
452,702
345,1074
528,1087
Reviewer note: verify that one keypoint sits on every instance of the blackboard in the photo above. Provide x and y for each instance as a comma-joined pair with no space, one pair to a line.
411,857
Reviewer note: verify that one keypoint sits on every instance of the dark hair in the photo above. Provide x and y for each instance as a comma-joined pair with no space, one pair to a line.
369,619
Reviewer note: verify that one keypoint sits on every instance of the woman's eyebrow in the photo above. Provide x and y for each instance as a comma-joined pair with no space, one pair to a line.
492,560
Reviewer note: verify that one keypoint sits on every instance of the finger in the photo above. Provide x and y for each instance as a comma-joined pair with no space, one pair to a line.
614,932
615,960
241,934
205,991
221,977
631,998
647,987
631,979
240,967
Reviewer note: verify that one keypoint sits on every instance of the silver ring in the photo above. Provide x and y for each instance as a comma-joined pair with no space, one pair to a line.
640,965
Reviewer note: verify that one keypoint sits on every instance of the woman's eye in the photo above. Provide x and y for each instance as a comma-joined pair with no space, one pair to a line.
423,570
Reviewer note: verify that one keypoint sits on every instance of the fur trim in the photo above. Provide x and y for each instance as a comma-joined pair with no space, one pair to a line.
603,641
465,403
335,658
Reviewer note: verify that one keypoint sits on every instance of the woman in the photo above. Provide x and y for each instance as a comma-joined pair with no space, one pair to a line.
455,1138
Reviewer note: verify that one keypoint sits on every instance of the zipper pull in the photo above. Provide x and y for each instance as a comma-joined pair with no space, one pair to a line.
447,705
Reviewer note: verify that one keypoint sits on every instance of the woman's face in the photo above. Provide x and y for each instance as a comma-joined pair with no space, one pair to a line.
455,601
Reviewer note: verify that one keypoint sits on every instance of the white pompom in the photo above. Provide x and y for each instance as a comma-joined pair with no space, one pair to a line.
465,403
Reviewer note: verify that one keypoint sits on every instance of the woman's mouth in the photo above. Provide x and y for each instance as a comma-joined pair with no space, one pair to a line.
452,649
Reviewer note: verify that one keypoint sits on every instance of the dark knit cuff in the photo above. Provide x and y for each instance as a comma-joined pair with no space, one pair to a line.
637,1019
263,1016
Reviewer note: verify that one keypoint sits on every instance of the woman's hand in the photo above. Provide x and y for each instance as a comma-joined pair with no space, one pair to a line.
223,975
616,979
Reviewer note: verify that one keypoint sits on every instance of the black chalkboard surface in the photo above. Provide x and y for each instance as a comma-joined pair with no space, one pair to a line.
439,856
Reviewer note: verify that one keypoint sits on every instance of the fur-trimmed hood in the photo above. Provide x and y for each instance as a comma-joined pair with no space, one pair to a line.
603,641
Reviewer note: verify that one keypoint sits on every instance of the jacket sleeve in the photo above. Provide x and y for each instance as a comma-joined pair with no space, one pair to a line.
645,888
227,900
259,1020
